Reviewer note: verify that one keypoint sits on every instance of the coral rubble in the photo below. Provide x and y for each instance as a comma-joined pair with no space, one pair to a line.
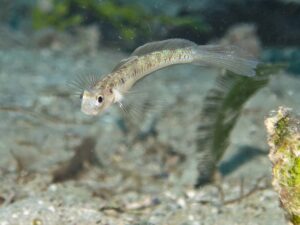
284,141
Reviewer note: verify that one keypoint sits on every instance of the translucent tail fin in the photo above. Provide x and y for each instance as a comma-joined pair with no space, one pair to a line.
230,58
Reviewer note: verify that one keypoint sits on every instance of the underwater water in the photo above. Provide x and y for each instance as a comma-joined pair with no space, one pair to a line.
191,145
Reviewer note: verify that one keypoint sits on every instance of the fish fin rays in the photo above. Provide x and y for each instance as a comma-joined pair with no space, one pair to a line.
140,105
169,44
124,62
231,58
83,81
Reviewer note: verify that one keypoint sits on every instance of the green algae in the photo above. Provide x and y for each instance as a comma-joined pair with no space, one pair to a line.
221,110
128,22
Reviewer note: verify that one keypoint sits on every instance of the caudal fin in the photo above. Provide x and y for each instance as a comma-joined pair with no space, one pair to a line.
231,58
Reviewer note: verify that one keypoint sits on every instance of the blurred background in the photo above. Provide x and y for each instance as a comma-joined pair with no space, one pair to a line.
128,24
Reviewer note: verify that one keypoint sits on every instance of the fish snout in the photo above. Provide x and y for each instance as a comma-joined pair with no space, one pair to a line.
89,108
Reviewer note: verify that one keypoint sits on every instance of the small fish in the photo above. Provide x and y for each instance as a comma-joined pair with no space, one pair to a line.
100,94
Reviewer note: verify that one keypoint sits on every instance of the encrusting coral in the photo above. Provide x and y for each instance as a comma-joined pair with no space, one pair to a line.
284,141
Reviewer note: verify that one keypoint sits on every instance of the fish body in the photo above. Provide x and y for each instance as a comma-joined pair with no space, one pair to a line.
99,95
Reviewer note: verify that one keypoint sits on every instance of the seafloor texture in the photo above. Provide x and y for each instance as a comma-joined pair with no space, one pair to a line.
60,167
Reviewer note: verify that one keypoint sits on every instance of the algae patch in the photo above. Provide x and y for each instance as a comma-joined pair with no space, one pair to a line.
222,107
284,141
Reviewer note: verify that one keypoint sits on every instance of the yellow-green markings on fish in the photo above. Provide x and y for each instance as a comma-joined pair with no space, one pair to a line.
101,94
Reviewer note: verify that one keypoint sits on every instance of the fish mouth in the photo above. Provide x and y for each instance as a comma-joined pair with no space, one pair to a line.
89,111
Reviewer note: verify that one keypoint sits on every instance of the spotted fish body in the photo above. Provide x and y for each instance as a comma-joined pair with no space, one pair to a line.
139,67
154,56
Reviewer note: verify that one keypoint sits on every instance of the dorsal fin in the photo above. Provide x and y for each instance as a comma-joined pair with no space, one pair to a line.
124,62
148,48
169,44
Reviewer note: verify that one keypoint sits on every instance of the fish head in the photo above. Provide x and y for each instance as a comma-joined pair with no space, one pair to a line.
94,102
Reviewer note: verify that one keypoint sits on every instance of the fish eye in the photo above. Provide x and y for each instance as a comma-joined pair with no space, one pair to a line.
100,99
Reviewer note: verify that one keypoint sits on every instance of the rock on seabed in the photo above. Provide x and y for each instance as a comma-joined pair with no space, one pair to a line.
284,141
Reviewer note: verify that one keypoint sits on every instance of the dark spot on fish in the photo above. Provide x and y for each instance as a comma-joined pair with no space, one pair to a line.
110,90
122,80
